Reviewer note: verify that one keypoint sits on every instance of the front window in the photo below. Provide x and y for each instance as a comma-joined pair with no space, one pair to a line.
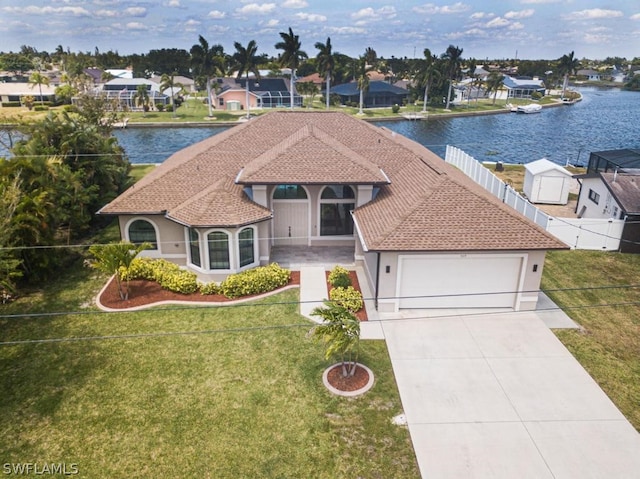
194,247
218,250
141,231
336,204
289,192
245,246
593,196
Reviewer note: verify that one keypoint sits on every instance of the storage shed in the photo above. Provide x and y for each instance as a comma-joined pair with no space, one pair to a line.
545,182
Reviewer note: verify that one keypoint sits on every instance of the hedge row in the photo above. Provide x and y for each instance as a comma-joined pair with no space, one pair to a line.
173,278
349,298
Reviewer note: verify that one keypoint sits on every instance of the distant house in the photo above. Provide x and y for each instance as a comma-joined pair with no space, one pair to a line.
523,87
589,75
124,91
547,183
16,91
263,93
379,94
120,72
613,195
188,84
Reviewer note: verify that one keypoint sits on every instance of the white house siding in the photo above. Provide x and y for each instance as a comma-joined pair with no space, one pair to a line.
518,279
170,236
606,207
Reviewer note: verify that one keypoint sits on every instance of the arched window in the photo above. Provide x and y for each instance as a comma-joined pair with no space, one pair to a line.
141,231
289,192
245,247
336,204
194,247
218,250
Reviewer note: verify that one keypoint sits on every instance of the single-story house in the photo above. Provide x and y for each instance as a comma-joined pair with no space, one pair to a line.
523,87
613,195
589,74
124,90
379,94
426,235
188,84
16,91
625,160
263,93
546,182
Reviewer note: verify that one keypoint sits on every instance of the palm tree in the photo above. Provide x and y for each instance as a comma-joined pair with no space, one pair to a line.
168,82
291,55
309,89
246,61
362,78
494,83
453,56
326,63
207,62
567,65
115,259
39,79
141,98
427,75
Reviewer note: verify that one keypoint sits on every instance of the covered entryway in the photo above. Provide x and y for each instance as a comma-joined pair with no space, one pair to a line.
459,281
290,215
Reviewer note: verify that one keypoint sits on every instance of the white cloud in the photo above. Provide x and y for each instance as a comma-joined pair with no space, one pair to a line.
173,4
498,22
373,14
272,23
596,38
539,2
347,30
593,14
520,14
431,9
216,14
256,8
294,4
635,17
516,26
481,15
34,10
106,13
136,26
311,17
135,12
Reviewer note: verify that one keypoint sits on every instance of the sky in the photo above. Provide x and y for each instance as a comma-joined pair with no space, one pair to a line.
493,29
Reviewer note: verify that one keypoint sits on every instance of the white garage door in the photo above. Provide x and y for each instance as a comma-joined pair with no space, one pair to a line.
550,189
459,281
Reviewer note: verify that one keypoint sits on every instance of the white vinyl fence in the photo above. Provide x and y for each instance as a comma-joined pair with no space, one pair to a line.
578,233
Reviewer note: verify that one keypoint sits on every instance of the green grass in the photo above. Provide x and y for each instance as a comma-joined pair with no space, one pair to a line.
238,396
609,345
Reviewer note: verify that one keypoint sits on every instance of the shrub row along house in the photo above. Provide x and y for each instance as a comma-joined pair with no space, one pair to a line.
426,235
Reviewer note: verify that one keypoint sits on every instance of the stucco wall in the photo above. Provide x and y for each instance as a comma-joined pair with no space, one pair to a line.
171,240
587,208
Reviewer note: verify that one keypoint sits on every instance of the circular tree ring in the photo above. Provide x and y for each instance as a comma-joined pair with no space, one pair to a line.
353,393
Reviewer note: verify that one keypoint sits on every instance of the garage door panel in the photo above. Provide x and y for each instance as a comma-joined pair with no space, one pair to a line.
459,281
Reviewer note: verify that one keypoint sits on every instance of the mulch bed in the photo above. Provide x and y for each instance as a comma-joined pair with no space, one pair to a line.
362,314
353,383
142,293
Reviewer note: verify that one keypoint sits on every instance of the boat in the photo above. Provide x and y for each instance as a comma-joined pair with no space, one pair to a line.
530,108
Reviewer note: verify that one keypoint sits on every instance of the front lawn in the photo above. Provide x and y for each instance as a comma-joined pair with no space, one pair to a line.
609,346
220,392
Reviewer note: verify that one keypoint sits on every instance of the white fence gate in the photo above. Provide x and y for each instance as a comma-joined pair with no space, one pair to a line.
578,233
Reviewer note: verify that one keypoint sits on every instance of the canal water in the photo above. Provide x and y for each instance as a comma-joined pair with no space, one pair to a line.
606,119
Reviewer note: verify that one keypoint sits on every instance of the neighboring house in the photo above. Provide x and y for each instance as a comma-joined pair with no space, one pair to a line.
188,84
523,87
15,91
623,161
314,78
379,94
589,75
263,93
426,235
124,90
121,72
548,183
616,196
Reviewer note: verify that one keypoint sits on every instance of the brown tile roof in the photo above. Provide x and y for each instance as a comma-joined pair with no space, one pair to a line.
427,206
626,189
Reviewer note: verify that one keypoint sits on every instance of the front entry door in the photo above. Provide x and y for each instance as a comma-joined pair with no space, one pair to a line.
291,222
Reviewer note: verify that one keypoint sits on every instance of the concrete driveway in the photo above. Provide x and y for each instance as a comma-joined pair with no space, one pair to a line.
498,396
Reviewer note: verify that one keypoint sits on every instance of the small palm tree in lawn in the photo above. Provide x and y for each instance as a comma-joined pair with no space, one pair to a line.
246,61
39,79
362,78
141,98
115,259
493,84
427,75
308,89
340,333
453,56
568,65
167,82
326,64
207,62
291,56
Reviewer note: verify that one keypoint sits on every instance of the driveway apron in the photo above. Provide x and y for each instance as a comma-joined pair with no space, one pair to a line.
498,396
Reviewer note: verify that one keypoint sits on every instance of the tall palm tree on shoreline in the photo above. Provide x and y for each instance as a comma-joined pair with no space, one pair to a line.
326,63
427,75
246,61
291,56
362,78
207,62
168,82
567,65
493,84
453,56
39,79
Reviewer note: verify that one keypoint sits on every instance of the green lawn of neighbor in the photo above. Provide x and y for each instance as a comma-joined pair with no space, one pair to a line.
231,392
609,345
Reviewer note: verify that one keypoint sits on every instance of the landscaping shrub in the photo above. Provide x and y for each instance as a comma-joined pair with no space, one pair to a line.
209,288
349,298
160,106
168,275
40,108
255,281
339,277
395,108
11,104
